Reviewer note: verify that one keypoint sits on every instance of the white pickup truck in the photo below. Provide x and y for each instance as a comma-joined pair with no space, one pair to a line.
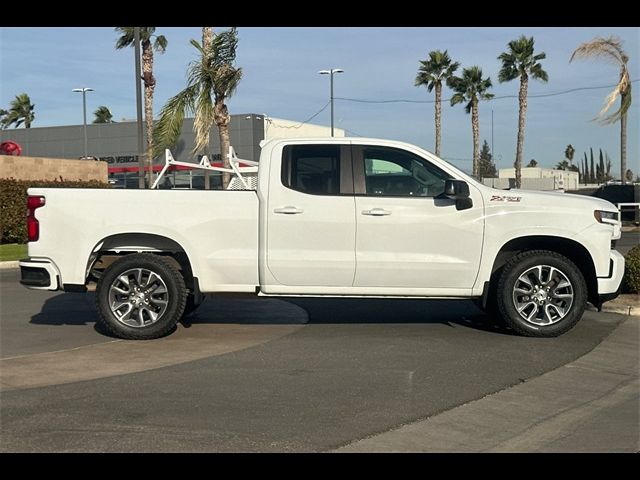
330,217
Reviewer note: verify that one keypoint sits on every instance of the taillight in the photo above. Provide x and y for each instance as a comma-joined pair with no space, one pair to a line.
33,227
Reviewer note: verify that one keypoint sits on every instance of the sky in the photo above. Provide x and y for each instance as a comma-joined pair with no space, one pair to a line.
280,79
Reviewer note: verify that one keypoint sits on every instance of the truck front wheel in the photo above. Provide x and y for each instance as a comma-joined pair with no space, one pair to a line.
140,297
541,293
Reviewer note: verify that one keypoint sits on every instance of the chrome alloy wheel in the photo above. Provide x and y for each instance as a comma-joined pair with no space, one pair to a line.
543,295
138,297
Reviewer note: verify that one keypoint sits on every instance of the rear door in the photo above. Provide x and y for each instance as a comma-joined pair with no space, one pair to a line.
311,217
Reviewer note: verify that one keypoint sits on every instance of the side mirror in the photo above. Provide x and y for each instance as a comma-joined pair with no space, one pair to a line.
458,190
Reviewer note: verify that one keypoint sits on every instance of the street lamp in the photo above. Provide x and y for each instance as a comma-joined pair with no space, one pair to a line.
331,72
84,112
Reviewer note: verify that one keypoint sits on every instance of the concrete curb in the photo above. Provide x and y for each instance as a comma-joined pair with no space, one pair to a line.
7,265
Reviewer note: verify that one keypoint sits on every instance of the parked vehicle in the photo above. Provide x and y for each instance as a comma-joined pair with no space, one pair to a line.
333,217
621,194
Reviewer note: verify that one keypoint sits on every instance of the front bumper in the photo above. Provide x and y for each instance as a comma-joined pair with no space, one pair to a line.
39,274
611,284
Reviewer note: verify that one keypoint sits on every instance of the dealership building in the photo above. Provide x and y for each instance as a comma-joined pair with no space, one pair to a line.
116,143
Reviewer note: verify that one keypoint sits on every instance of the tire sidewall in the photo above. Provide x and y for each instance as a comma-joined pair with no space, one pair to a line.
175,288
516,268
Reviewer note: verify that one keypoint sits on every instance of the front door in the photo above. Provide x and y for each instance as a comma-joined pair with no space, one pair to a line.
311,217
407,237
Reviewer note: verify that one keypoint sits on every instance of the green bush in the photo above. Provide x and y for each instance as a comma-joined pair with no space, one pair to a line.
13,204
631,281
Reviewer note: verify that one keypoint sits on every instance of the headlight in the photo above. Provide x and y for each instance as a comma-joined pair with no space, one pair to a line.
603,216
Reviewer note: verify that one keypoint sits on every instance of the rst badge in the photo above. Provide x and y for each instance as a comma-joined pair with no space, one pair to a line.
504,198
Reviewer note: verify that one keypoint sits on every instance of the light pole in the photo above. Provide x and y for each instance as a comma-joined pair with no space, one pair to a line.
331,73
84,91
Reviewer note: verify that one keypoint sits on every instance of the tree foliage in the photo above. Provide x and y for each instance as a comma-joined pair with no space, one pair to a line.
20,111
102,114
486,167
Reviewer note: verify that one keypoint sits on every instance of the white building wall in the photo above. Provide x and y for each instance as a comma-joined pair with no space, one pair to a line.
281,128
563,179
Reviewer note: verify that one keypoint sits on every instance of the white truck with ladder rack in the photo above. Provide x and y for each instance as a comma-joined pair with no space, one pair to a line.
330,217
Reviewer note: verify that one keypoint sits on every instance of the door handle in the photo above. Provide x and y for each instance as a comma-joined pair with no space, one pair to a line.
376,212
288,210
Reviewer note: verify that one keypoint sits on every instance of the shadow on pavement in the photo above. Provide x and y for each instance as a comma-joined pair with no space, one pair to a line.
78,309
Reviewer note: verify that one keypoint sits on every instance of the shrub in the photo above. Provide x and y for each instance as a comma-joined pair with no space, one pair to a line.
631,281
13,204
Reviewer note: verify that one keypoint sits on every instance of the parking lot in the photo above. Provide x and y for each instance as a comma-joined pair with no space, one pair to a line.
256,374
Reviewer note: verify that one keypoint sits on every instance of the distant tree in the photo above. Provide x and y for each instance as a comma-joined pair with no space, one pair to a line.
585,170
20,111
608,167
102,115
601,168
532,163
487,169
436,69
563,165
470,88
520,61
569,152
592,176
610,49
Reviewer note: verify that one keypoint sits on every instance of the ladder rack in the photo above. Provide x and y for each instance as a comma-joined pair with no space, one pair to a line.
245,177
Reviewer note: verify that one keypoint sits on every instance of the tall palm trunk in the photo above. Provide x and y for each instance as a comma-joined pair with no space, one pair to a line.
438,115
623,141
522,97
149,87
475,127
222,119
207,37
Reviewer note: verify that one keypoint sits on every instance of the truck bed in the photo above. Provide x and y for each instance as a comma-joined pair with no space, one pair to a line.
218,228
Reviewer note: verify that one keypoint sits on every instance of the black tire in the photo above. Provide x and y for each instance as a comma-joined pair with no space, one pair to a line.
175,297
572,309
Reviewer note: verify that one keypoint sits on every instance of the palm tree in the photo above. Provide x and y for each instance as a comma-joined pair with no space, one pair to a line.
471,88
147,34
102,115
210,81
569,152
432,73
611,49
520,62
20,111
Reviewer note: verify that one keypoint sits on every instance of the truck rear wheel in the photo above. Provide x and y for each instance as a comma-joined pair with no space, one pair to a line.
541,294
140,297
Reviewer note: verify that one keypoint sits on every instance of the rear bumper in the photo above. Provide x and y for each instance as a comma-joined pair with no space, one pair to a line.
39,274
611,284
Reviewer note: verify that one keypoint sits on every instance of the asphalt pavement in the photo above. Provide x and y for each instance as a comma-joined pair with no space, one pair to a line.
270,374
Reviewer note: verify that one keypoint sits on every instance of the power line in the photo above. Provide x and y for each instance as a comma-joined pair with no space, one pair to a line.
541,95
301,124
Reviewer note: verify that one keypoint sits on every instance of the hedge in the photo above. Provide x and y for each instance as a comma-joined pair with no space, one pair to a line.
13,204
631,281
